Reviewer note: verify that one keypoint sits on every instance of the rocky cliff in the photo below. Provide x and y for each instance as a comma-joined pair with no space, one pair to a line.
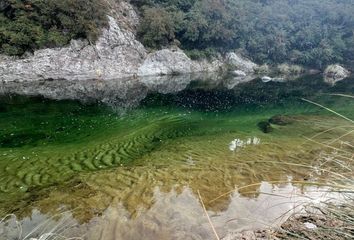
116,54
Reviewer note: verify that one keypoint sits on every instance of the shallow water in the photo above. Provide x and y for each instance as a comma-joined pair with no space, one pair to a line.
136,174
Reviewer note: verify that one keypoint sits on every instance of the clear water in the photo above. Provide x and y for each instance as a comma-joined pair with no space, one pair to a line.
136,175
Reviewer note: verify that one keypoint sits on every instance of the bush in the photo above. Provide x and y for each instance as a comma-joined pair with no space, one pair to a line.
196,54
28,25
159,26
307,32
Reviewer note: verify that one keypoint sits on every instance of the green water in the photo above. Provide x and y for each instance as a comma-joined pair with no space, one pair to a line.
55,153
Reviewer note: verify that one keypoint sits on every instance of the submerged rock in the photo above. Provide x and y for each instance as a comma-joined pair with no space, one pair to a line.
238,143
281,120
335,73
265,127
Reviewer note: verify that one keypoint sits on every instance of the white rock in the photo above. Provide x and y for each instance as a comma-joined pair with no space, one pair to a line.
240,63
174,62
309,225
335,73
165,62
115,54
238,143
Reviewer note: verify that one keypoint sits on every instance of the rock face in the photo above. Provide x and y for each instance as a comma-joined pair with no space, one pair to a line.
335,73
116,55
239,63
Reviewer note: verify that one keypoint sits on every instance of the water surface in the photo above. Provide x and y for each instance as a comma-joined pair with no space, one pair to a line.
108,169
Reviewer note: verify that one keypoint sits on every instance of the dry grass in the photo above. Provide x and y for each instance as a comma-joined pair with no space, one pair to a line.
328,219
331,219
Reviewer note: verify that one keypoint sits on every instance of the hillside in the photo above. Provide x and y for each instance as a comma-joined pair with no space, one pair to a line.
307,32
313,33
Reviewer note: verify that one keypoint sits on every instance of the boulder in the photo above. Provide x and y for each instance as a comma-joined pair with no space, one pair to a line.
240,63
265,127
335,73
165,62
175,62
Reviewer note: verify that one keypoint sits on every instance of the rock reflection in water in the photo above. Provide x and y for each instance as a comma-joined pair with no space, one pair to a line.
129,92
121,92
176,215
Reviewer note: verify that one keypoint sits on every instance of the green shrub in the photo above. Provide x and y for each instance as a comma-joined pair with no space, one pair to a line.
196,54
27,25
307,32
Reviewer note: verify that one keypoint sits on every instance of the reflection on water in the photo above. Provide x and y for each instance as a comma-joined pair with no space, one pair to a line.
177,215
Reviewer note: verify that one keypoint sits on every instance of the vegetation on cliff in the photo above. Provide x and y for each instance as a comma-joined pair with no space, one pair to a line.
308,32
26,25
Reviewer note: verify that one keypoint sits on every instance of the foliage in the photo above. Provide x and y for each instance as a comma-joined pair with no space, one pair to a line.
26,25
196,54
306,32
